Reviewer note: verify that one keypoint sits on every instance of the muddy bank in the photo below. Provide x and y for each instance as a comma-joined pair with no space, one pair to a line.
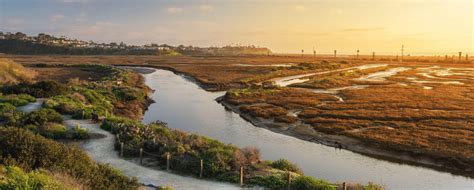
306,132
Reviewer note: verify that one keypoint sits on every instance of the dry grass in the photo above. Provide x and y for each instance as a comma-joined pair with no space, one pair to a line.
397,114
65,74
11,72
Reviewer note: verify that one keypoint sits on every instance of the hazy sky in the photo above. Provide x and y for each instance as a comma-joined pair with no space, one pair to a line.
282,25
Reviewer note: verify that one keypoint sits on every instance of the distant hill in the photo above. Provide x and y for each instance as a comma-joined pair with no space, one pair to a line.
19,43
11,72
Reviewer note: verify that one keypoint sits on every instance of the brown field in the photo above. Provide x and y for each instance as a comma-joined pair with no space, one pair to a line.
222,73
423,110
64,74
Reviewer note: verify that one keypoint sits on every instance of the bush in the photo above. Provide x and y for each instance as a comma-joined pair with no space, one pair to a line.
17,100
42,89
79,133
14,118
12,178
83,104
43,116
307,182
29,152
52,130
286,165
6,110
128,94
274,181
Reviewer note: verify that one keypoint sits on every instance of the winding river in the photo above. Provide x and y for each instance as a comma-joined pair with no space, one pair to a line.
184,105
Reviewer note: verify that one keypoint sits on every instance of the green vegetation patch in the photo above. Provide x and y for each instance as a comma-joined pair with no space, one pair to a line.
17,99
221,161
42,89
31,152
13,178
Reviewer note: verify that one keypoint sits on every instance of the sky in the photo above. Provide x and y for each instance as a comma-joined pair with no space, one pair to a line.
284,26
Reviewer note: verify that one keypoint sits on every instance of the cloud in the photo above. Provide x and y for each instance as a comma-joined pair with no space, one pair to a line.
56,18
370,29
206,8
174,10
298,8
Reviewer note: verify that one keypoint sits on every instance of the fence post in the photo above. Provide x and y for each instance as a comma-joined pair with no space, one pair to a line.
241,176
167,161
202,168
141,156
289,180
344,187
121,149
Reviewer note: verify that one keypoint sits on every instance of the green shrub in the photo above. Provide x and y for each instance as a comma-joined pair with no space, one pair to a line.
128,93
309,183
274,181
13,178
17,100
286,165
6,110
53,130
14,118
28,151
83,104
42,89
42,116
79,133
